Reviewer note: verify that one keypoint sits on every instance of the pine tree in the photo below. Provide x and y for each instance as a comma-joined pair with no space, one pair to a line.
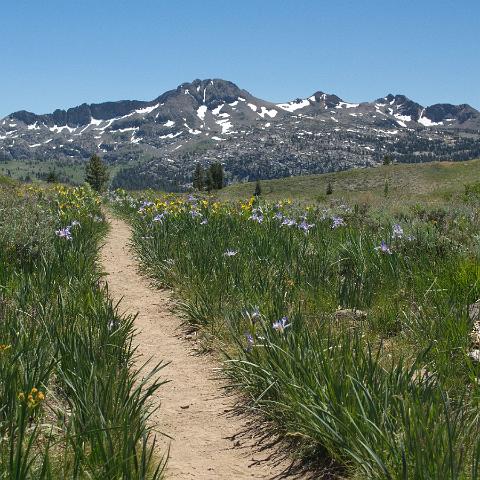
329,190
199,177
209,183
387,160
258,189
385,188
96,173
216,169
52,177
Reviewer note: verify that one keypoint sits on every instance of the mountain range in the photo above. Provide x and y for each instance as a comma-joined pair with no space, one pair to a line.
158,142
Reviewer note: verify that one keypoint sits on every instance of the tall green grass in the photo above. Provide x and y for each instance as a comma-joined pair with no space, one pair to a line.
387,390
72,404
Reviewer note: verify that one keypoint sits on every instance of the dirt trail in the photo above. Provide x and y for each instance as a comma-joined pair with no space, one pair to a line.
193,409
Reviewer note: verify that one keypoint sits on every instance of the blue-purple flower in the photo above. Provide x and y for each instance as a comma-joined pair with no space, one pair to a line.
256,217
305,226
195,214
281,325
337,222
288,222
158,218
64,233
254,315
397,231
250,342
384,248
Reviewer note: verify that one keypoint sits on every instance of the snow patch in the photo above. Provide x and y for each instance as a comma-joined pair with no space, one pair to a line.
147,109
225,124
347,105
216,111
171,135
192,130
201,112
265,111
426,122
292,106
169,123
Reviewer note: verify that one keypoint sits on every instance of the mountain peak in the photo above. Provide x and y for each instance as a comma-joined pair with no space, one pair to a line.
209,92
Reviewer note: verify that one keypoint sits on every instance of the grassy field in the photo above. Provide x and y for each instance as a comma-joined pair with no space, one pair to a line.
73,173
71,403
435,182
345,325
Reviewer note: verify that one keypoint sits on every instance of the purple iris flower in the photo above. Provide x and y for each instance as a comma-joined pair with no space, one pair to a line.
158,218
281,325
337,222
250,342
305,226
384,248
64,233
288,222
397,231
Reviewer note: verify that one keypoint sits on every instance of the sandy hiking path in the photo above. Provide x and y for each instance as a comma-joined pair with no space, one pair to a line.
194,409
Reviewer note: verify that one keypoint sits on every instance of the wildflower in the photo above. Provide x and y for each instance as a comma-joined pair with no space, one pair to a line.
33,398
289,222
337,222
281,325
305,226
278,216
75,223
64,233
254,315
250,342
384,248
204,221
195,214
4,347
230,253
397,231
159,217
256,218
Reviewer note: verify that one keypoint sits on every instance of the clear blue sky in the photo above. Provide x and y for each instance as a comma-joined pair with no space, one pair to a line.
59,53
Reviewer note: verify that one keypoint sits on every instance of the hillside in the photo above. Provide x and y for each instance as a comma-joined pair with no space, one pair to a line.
430,182
157,143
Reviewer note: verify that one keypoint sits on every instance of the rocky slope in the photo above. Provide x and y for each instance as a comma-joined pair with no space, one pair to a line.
214,120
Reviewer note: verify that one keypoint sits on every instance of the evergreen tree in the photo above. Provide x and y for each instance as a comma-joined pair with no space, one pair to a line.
387,160
52,177
96,173
199,177
216,169
258,189
209,183
385,188
329,190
